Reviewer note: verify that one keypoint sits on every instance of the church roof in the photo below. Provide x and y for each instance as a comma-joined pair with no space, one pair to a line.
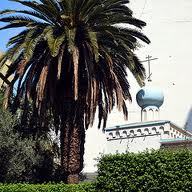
176,140
147,124
176,143
139,124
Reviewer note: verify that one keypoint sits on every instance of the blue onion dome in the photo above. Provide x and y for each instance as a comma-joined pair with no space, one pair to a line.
150,96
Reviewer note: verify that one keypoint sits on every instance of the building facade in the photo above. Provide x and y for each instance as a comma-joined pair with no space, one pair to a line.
138,137
151,133
3,70
148,134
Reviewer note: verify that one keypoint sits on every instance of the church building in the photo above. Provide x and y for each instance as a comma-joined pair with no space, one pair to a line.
148,134
151,132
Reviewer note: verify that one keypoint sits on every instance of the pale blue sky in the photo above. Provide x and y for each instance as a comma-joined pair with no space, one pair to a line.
6,34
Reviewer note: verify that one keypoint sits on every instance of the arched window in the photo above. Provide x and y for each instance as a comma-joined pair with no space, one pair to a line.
144,115
161,130
156,115
117,134
146,131
124,133
154,130
139,132
132,133
110,136
151,115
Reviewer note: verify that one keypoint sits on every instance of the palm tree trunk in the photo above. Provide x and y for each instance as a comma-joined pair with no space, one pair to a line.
72,151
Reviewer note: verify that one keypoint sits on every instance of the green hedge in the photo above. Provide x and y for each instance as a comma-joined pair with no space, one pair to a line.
158,171
86,187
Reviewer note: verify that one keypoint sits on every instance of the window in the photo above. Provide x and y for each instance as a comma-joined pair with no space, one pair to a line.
132,133
146,131
117,134
144,115
154,130
139,132
156,115
110,135
161,129
151,114
124,133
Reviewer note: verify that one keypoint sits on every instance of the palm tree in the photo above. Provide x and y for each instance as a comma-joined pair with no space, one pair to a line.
70,60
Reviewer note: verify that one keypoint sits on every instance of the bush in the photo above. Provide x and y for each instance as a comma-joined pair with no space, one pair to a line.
23,159
86,187
163,170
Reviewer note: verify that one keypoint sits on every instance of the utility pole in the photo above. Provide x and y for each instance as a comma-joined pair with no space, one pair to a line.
149,59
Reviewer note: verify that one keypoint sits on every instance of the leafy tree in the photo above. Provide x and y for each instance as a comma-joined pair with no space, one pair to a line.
70,60
23,159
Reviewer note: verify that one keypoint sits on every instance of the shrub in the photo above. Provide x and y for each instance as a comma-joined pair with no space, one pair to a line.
86,187
23,159
163,170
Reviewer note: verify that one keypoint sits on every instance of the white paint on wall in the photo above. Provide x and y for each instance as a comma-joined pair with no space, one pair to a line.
169,27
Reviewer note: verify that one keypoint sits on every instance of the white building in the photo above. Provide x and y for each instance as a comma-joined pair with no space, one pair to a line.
138,137
169,27
147,134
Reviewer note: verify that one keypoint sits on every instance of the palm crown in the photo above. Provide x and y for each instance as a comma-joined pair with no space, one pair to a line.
73,51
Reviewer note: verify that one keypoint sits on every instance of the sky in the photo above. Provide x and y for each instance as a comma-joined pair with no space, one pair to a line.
6,34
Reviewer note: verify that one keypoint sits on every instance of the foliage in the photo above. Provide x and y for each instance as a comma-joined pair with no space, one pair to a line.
1,98
23,159
85,187
157,171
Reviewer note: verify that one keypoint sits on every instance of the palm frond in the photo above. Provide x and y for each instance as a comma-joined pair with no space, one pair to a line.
18,38
94,43
31,39
54,41
26,12
40,8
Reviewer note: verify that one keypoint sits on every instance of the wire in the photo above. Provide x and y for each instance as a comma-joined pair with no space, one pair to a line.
143,9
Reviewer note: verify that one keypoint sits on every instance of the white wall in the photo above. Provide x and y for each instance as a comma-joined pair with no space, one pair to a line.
169,27
137,144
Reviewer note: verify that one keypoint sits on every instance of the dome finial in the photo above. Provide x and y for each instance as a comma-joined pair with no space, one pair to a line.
149,59
149,98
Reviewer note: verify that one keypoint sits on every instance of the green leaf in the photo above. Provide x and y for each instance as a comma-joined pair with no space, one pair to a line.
31,40
54,42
